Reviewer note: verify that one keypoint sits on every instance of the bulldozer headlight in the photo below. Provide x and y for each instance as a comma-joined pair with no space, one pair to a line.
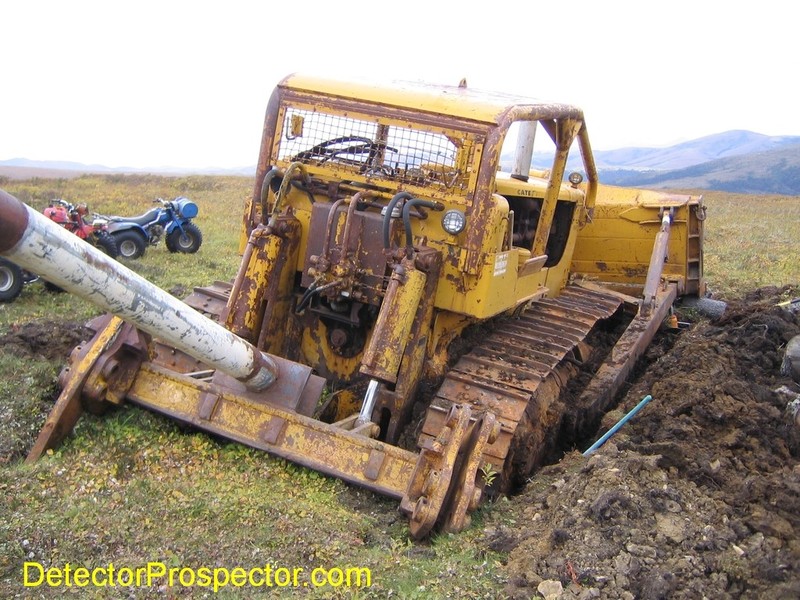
575,178
454,221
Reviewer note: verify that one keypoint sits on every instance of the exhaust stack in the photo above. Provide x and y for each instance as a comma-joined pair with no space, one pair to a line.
524,153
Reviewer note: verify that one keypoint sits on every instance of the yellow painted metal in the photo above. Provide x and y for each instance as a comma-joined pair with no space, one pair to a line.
460,102
67,409
245,305
303,440
283,251
616,246
535,187
258,305
316,351
566,130
246,224
391,332
447,326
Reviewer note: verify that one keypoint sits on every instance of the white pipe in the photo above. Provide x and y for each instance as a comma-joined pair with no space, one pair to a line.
67,261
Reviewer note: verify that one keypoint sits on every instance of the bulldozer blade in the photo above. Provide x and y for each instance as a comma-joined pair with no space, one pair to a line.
67,409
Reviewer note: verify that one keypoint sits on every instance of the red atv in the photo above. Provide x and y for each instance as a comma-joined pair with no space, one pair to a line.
73,218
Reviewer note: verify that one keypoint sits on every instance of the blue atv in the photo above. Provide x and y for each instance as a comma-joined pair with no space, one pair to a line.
172,221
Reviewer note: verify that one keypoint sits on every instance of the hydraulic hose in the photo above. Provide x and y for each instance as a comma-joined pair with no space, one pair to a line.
387,218
407,219
287,179
265,192
326,244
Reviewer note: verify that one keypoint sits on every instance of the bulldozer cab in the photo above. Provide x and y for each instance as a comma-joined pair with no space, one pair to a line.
504,238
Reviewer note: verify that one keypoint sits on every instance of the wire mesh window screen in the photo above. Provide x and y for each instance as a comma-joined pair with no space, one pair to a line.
392,152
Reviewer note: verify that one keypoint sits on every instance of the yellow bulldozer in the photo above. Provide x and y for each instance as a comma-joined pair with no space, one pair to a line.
418,310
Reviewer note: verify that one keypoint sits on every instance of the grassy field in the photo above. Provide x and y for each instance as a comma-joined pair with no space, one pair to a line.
751,241
133,488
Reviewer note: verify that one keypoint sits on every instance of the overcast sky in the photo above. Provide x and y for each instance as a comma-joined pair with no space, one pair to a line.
172,83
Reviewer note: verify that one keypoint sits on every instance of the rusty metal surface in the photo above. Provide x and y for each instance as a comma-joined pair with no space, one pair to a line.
436,486
631,345
14,221
210,300
338,238
469,484
392,327
398,404
518,364
657,260
430,482
260,424
67,409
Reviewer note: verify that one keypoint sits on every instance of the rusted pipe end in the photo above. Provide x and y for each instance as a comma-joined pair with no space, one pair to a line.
13,221
265,372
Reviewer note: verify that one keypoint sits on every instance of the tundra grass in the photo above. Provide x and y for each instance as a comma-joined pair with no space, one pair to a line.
751,242
133,487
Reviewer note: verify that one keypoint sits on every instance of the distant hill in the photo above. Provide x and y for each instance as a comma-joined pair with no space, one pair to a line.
23,168
773,171
693,152
735,161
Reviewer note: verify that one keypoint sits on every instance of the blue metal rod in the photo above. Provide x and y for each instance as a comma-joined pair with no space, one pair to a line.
619,424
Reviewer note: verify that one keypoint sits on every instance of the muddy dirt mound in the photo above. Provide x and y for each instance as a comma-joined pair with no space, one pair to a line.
698,496
53,340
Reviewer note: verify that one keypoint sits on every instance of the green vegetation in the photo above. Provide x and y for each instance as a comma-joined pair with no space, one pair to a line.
133,487
751,241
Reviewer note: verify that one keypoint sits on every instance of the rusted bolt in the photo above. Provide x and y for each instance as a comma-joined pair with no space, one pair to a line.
421,509
494,433
452,416
436,446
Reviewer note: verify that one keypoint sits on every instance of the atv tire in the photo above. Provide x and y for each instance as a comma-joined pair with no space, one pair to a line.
11,281
106,244
187,242
130,244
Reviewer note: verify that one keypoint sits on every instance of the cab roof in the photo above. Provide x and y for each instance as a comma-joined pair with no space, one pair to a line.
492,108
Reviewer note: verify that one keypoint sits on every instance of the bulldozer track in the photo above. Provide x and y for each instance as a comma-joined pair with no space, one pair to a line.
518,372
210,300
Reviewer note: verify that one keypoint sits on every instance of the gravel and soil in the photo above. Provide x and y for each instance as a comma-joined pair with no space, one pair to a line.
697,497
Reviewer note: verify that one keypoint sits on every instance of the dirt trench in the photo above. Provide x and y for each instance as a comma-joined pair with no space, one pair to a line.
697,497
